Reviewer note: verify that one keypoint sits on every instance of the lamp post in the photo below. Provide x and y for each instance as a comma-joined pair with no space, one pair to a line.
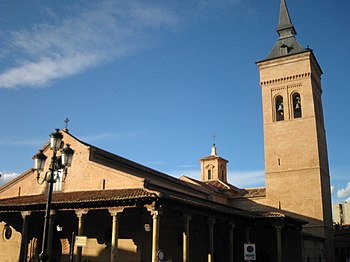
58,163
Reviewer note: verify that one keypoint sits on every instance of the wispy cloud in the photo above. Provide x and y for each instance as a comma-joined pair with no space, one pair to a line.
241,179
189,172
92,138
7,177
247,179
344,192
112,136
332,189
22,141
101,32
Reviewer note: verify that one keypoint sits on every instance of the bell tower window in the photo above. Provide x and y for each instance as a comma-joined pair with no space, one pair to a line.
296,105
279,108
209,174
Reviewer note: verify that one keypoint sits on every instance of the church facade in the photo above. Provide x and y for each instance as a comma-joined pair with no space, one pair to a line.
109,208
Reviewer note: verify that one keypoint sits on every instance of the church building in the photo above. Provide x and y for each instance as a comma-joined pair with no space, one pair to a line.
108,208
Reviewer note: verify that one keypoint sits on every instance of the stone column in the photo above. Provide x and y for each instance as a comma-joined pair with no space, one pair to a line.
211,223
155,234
24,241
230,235
115,213
80,214
279,242
186,238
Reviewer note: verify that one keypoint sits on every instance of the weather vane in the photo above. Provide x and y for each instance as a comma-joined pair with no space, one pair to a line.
66,121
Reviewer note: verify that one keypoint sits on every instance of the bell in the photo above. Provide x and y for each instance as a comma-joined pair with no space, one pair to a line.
280,108
297,103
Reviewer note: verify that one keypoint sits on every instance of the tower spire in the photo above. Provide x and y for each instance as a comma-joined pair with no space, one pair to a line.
285,27
286,44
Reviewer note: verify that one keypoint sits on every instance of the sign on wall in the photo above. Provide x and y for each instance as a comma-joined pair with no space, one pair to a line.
249,252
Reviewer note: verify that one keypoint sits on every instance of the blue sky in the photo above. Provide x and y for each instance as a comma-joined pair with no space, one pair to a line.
152,81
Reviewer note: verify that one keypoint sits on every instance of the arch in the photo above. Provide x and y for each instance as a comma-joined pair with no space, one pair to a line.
210,171
279,108
296,102
209,174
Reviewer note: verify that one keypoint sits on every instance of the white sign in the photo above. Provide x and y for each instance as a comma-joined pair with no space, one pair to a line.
80,241
249,252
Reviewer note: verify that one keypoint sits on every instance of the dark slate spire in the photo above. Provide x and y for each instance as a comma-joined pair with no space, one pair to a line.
285,27
286,43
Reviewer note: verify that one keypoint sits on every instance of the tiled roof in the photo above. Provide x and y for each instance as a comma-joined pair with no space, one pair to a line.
81,198
251,192
272,214
221,186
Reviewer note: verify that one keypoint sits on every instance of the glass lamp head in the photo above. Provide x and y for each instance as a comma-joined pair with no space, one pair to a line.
67,155
55,140
39,161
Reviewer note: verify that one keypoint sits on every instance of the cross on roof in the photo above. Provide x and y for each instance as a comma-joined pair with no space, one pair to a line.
214,138
66,121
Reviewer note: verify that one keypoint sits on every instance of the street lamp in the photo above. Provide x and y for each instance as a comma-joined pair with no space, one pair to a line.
58,163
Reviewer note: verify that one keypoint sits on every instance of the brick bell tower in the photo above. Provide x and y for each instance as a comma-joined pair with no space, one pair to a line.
213,167
296,161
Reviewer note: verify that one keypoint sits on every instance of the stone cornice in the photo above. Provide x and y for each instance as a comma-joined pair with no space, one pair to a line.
285,79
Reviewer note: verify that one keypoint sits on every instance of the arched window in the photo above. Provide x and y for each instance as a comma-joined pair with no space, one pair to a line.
209,174
279,108
296,105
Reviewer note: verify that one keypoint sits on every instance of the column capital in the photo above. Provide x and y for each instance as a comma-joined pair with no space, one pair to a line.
24,214
155,213
115,211
81,212
154,210
278,227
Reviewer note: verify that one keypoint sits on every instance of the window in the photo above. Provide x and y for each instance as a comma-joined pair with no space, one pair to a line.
209,174
284,49
296,105
279,108
58,176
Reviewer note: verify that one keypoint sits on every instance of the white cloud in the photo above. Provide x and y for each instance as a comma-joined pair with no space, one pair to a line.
332,189
7,177
92,138
41,72
247,179
99,33
344,192
21,141
113,136
241,179
193,173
